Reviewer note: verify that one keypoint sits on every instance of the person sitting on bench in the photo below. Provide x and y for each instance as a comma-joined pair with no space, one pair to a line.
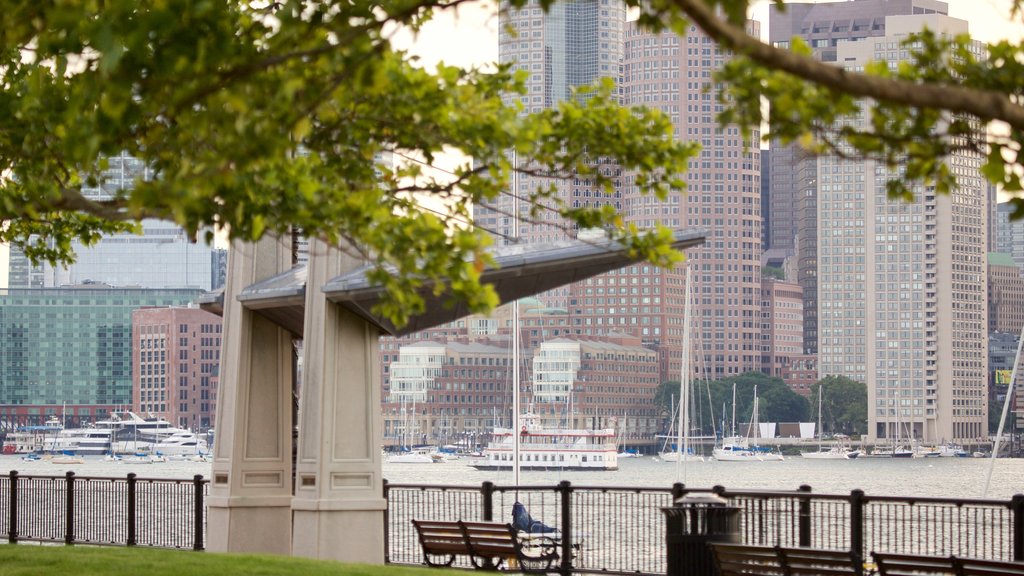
522,521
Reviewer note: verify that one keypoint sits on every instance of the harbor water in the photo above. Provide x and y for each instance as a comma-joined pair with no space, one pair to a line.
936,477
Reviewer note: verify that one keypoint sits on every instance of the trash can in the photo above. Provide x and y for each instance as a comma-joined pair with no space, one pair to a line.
690,524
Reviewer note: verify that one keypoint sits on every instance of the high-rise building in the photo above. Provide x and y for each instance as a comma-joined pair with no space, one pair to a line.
901,286
163,256
67,352
782,315
723,196
1009,234
175,364
793,176
1005,294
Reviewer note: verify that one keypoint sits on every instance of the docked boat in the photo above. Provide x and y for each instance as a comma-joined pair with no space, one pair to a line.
29,439
416,456
544,448
838,449
79,441
134,434
738,448
952,450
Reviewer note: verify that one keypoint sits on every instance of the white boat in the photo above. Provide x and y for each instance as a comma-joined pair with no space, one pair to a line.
418,456
181,443
738,449
79,441
837,449
67,459
29,439
543,448
952,450
134,434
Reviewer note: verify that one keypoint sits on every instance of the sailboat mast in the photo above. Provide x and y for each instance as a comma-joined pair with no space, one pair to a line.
1006,407
734,409
684,388
515,330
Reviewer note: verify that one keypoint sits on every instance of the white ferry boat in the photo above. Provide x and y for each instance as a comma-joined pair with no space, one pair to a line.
543,448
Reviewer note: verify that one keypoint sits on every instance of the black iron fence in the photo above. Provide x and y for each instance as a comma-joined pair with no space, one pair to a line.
127,511
613,530
622,530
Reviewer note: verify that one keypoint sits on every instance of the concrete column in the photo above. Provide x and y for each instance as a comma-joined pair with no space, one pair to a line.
249,506
338,506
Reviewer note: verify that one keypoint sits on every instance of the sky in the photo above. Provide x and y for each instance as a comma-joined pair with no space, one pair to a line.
469,36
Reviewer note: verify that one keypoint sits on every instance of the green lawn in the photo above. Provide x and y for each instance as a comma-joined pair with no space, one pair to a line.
35,560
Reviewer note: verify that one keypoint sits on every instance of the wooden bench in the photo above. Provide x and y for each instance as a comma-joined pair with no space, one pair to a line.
750,560
743,560
918,565
487,544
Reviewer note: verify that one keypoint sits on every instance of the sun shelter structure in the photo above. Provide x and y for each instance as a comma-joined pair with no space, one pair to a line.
329,504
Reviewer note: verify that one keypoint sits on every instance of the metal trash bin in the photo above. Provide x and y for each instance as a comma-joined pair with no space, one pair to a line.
690,524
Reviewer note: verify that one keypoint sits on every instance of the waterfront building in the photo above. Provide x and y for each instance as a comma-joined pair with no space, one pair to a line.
794,172
175,364
901,286
162,256
782,325
674,74
457,392
1009,234
1002,350
67,352
1005,294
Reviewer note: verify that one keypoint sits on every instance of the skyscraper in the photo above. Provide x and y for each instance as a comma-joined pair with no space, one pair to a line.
793,185
723,196
161,257
901,288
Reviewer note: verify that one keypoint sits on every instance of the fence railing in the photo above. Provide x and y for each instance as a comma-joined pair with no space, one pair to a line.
612,530
127,511
622,530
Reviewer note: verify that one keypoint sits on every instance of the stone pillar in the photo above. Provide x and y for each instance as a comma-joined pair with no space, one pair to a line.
249,507
339,505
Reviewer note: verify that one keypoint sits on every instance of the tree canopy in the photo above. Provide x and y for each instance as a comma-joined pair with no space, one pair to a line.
844,405
259,116
777,402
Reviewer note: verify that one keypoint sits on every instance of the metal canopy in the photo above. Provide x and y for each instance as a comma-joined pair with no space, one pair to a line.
521,271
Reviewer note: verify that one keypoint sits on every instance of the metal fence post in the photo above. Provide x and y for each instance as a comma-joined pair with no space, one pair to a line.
857,524
678,491
565,490
69,511
487,501
1017,507
387,521
805,517
131,509
197,482
12,528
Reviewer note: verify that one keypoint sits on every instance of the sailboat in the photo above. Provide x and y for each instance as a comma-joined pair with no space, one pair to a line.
738,449
683,452
837,450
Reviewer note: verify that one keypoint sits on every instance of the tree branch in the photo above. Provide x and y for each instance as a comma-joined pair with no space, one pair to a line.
984,104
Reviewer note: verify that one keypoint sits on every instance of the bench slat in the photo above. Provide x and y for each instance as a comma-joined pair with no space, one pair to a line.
912,564
980,567
741,560
819,561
